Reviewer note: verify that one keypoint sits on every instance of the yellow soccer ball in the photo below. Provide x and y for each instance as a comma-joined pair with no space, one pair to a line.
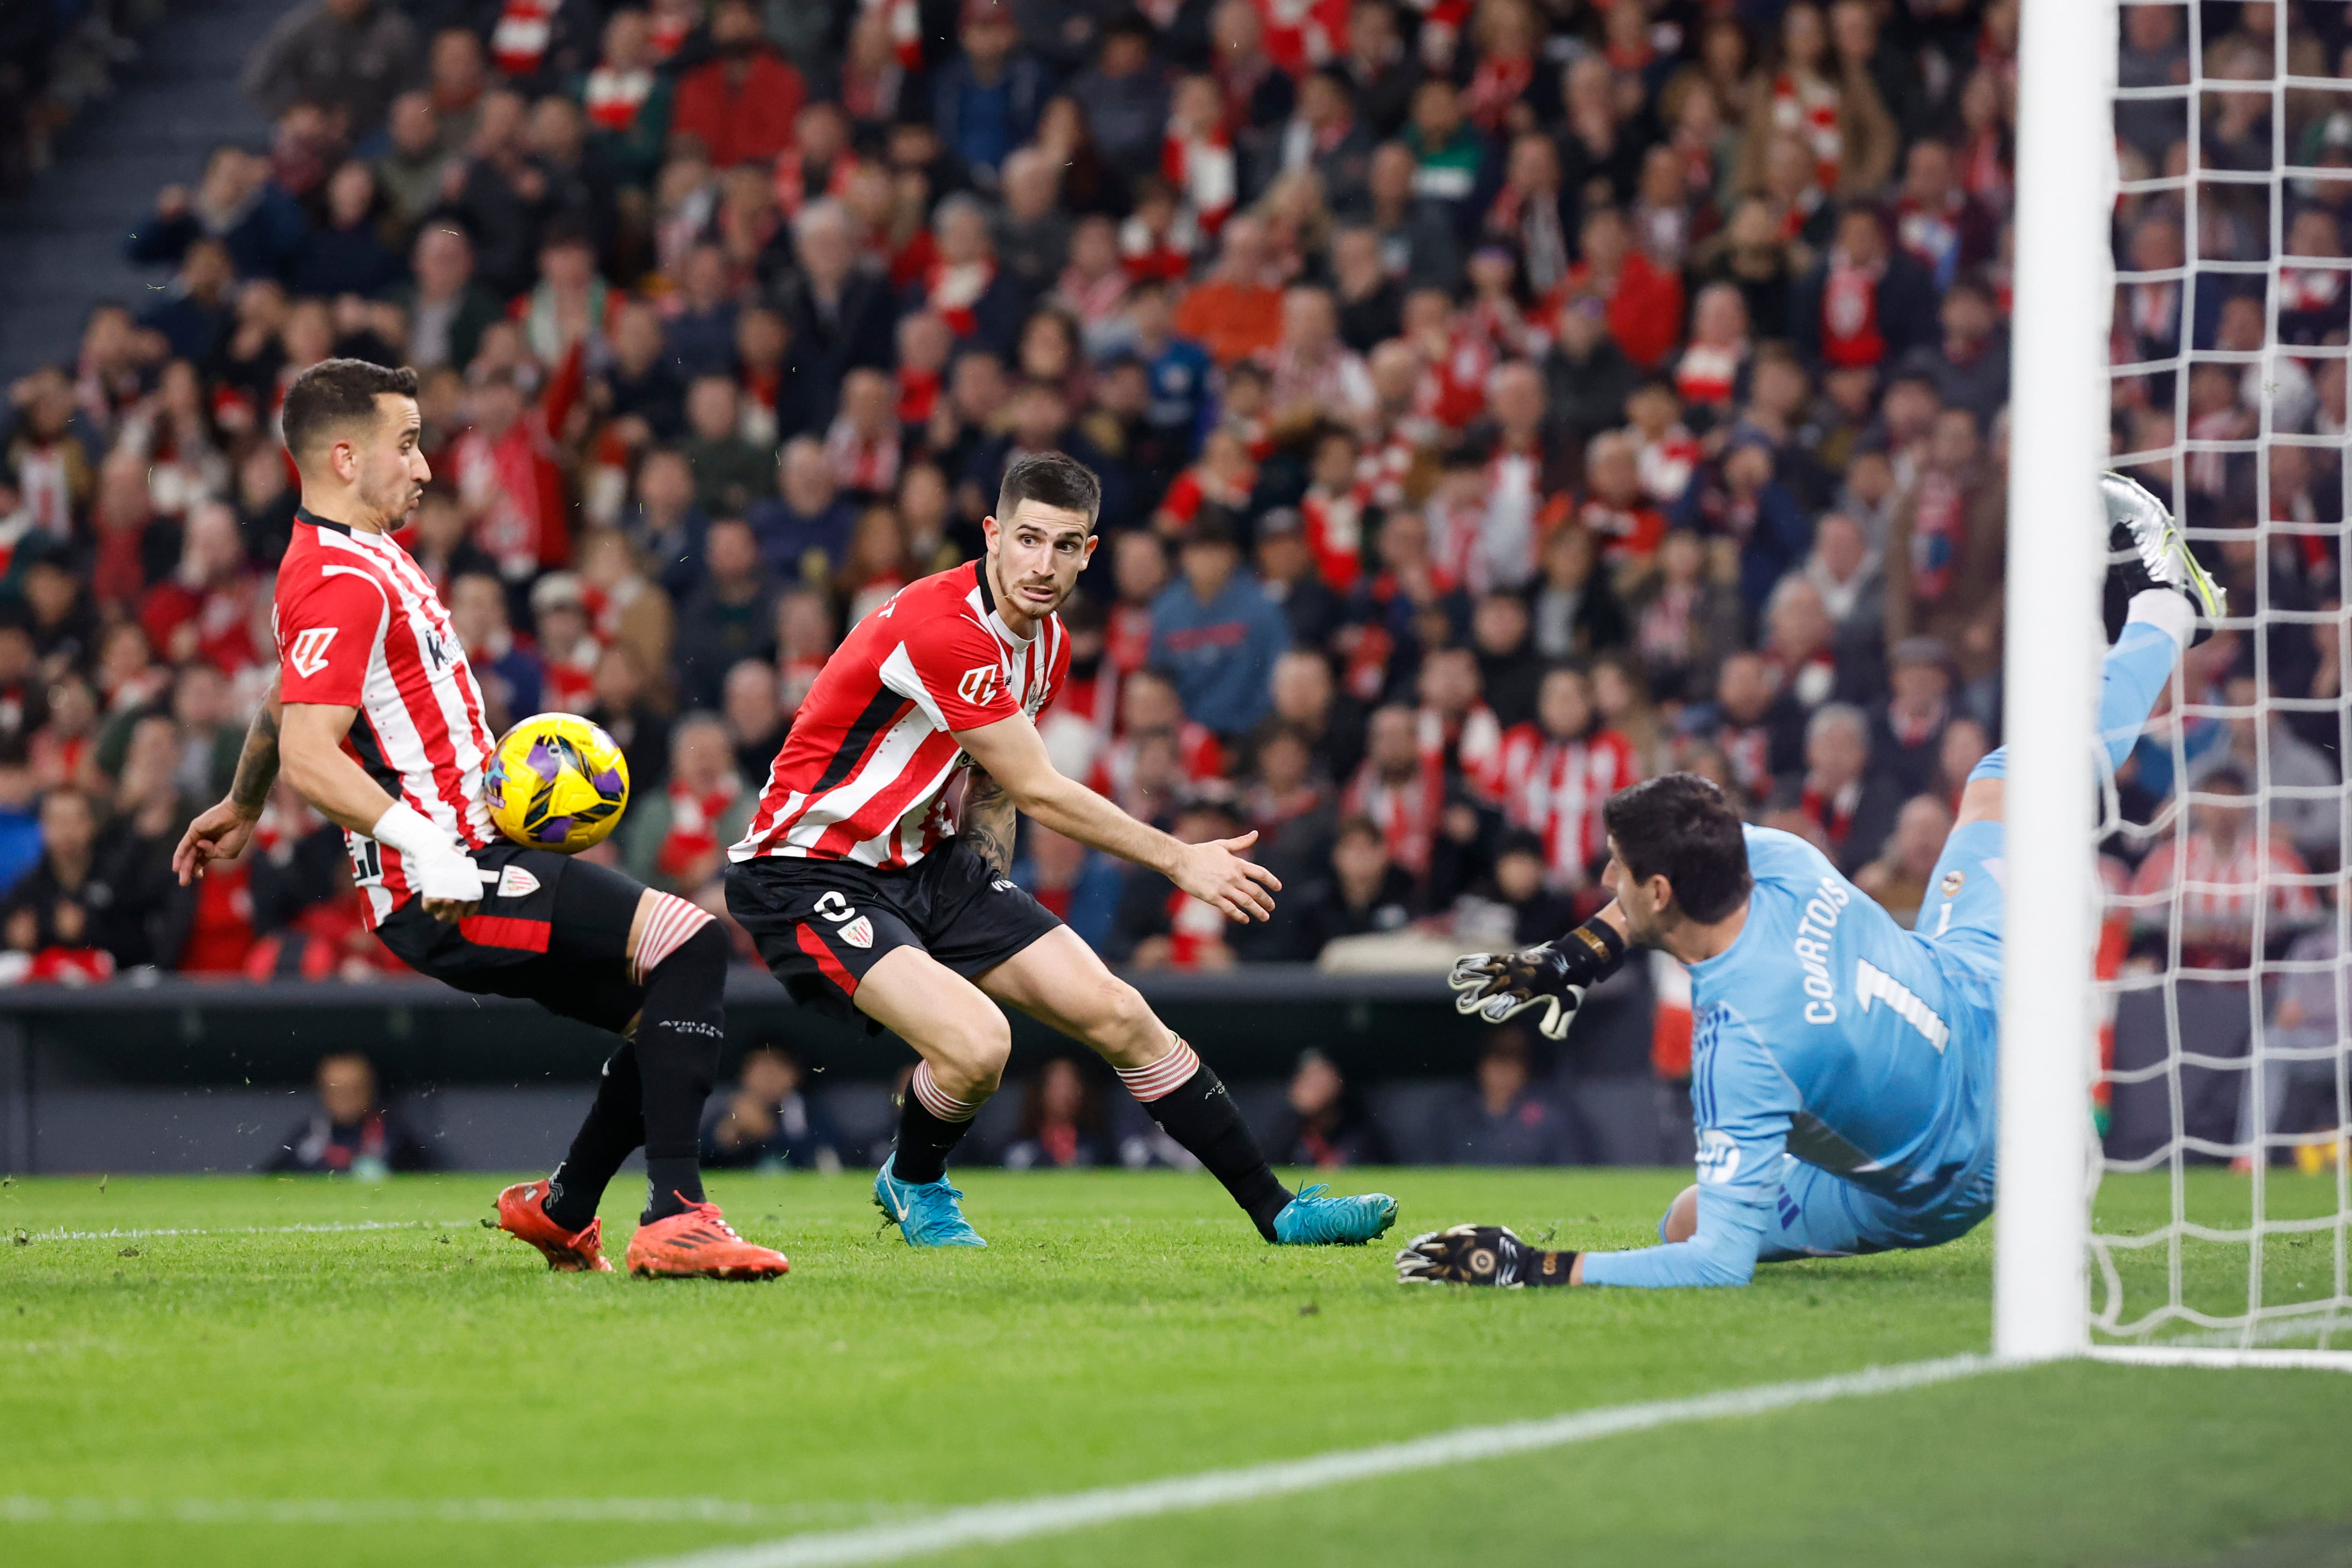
556,782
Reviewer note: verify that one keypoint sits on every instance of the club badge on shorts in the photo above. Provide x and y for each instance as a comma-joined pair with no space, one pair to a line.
858,933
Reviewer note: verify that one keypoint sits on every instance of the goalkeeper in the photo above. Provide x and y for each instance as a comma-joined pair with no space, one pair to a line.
1844,1069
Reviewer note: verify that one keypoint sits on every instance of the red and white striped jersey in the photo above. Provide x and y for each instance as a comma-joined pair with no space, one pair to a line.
1555,788
358,625
863,776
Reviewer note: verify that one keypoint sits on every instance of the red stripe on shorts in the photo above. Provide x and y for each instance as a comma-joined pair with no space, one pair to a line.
505,931
813,946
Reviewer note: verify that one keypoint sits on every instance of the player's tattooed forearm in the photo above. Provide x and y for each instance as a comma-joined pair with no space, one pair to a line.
257,765
988,820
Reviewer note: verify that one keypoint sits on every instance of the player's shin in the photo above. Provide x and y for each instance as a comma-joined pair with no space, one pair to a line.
931,1123
615,1123
2133,672
683,956
1189,1103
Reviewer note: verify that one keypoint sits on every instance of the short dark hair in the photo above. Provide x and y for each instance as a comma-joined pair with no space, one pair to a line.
337,392
1680,827
1054,479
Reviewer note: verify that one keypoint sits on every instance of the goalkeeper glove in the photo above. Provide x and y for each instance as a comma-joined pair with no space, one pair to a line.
1480,1255
1499,986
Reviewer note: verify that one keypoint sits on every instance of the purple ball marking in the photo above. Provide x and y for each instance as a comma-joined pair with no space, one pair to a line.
542,761
608,783
555,830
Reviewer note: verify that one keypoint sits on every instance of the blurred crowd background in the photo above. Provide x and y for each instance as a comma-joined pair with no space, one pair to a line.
1498,402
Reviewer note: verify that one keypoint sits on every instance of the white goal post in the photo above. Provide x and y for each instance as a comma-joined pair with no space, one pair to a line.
2057,1289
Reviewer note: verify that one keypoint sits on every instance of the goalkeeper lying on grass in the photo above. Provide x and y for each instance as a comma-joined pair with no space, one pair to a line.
1843,1069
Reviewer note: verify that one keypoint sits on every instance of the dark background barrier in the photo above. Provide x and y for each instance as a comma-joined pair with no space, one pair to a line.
186,1075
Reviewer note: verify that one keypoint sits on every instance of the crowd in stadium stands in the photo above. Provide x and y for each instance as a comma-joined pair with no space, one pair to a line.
1498,402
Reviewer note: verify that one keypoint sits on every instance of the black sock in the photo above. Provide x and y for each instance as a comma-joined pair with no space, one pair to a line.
679,1032
924,1141
1199,1115
615,1124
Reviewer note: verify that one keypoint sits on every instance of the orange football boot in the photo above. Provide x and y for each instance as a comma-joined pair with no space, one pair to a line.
568,1251
699,1244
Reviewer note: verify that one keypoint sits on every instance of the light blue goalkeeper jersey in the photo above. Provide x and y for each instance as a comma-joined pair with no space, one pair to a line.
1827,1033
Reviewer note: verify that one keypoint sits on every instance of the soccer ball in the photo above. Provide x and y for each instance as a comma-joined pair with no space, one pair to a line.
556,782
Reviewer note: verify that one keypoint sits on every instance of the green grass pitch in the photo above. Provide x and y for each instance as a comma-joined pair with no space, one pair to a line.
427,1393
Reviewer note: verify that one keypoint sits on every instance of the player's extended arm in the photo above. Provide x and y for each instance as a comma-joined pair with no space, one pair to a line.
1213,872
1557,973
312,755
1722,1252
221,831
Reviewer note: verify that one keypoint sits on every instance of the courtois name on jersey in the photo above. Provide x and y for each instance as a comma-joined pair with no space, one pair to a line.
1829,1032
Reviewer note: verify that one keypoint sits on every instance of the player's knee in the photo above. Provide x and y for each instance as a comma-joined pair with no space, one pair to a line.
1120,1018
969,1055
1681,1221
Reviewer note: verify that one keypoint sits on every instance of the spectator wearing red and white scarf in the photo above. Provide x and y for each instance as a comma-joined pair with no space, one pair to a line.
1093,286
1457,731
1196,154
1508,38
1399,789
1557,772
509,484
678,840
820,160
862,445
1666,453
568,649
963,281
1159,238
624,91
1456,360
1333,511
1709,369
925,344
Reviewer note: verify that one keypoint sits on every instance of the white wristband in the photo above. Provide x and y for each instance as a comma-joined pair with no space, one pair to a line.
413,833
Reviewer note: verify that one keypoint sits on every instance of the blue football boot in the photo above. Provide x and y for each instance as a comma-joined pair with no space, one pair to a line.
1311,1219
926,1213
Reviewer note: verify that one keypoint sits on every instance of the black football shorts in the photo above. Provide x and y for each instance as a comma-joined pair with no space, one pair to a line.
821,925
552,929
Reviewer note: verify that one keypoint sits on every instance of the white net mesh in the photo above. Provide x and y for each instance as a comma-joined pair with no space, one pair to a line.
2221,1214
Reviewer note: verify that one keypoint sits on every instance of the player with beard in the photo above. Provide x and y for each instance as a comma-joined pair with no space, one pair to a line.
1844,1072
376,720
874,873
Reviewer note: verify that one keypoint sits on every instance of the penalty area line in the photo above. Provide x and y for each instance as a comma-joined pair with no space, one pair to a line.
998,1522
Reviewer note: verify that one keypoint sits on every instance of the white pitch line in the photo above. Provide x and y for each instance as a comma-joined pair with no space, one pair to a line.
421,1510
997,1523
320,1229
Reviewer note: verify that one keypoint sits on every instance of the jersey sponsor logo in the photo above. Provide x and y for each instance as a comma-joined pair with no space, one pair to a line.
1718,1157
308,653
516,882
858,933
978,686
1815,929
1873,984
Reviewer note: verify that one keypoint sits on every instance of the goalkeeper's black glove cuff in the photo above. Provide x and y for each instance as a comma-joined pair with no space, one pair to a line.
1597,938
1548,1267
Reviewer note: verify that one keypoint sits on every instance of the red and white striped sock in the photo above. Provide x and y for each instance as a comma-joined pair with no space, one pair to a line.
938,1101
667,926
1163,1077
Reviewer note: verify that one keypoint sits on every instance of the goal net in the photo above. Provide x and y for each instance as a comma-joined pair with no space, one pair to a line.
2214,1219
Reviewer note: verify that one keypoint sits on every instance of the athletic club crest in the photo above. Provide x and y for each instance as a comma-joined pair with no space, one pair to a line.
858,933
